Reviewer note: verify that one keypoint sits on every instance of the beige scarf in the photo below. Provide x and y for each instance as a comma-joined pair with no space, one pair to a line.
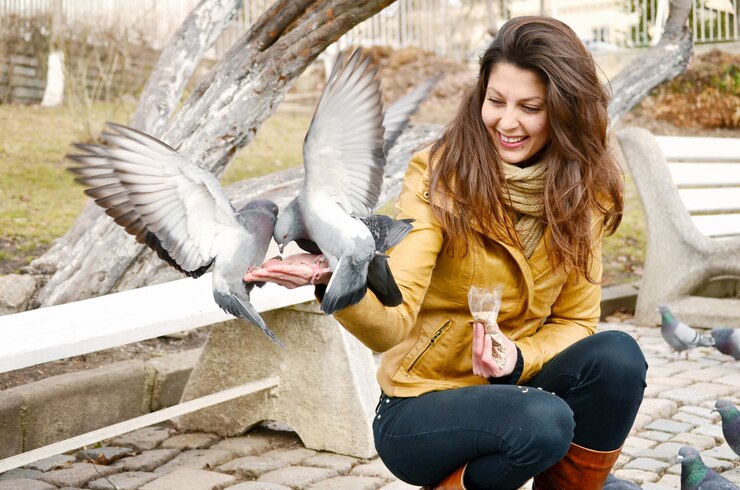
526,187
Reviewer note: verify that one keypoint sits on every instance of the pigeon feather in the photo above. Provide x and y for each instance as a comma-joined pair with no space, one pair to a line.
180,211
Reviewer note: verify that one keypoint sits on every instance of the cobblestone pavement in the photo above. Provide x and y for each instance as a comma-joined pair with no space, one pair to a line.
676,412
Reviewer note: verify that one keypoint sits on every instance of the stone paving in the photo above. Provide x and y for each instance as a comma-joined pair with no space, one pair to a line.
676,412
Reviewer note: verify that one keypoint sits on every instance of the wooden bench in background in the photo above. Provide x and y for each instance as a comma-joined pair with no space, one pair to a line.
690,191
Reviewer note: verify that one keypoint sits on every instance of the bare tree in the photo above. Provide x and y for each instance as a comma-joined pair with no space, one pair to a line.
223,113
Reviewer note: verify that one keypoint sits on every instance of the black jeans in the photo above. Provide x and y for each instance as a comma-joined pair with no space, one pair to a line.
588,394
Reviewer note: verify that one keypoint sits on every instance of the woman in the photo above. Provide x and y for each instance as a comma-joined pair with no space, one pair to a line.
518,190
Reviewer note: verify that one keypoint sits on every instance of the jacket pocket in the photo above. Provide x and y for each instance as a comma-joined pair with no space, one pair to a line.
433,340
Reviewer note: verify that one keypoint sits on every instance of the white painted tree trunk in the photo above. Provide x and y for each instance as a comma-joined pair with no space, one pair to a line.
54,92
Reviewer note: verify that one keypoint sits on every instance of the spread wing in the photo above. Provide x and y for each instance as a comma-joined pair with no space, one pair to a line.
167,202
343,150
399,114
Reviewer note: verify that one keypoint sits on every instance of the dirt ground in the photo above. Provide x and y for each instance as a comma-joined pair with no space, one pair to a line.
704,101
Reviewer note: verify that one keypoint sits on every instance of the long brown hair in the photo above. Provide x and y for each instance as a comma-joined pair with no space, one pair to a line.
467,187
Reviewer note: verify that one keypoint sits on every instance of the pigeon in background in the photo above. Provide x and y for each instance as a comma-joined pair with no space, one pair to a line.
730,416
680,336
614,483
696,476
180,211
727,341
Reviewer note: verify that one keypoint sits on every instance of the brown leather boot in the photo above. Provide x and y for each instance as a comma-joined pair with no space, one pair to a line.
453,481
581,469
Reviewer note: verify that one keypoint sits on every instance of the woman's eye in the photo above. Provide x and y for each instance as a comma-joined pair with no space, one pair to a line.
496,101
531,108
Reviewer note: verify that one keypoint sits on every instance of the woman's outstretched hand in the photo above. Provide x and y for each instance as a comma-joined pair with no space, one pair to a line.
292,271
484,364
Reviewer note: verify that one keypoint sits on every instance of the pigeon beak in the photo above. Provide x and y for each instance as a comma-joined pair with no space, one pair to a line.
679,458
281,246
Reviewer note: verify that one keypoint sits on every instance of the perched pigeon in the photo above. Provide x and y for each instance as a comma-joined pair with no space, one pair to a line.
614,483
289,227
696,476
730,423
344,160
727,341
180,211
680,336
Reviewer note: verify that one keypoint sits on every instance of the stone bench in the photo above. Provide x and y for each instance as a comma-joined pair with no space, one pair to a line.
322,384
690,192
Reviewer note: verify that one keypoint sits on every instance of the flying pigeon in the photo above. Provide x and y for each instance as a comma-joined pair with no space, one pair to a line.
696,476
180,211
344,159
614,483
290,228
727,341
730,416
680,336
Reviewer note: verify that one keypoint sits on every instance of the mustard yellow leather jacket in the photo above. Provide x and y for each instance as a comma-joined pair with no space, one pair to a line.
426,341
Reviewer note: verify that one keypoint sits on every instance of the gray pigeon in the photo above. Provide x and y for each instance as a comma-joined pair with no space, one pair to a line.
727,341
696,476
680,336
614,483
180,211
344,161
289,227
730,416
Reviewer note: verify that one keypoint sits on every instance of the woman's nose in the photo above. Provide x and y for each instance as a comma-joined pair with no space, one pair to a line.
508,119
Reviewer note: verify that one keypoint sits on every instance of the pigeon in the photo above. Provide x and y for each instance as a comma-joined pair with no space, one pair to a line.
730,416
289,227
344,159
680,336
727,341
180,211
614,483
696,476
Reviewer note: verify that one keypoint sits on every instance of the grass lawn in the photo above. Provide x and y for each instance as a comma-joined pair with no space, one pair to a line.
39,200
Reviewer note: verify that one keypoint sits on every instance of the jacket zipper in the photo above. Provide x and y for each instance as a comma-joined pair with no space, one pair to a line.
429,345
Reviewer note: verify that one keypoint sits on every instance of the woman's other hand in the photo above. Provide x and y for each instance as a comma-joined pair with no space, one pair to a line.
484,364
292,271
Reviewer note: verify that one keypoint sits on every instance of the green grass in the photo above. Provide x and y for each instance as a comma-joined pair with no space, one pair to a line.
624,252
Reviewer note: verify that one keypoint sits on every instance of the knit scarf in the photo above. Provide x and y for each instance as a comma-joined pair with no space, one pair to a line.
526,188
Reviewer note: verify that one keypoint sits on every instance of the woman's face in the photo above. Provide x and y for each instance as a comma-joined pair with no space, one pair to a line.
515,113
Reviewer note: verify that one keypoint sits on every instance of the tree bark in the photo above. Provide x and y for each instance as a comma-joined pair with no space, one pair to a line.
221,116
662,62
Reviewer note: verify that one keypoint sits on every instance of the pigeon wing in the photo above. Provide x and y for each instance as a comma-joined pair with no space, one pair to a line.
164,200
399,114
343,150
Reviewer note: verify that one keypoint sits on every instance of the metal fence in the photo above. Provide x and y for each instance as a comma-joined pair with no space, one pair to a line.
454,28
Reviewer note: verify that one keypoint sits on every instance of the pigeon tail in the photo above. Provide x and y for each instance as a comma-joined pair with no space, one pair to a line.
381,282
347,286
244,310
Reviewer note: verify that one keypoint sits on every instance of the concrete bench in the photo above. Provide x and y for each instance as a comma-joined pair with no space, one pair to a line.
322,384
690,191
